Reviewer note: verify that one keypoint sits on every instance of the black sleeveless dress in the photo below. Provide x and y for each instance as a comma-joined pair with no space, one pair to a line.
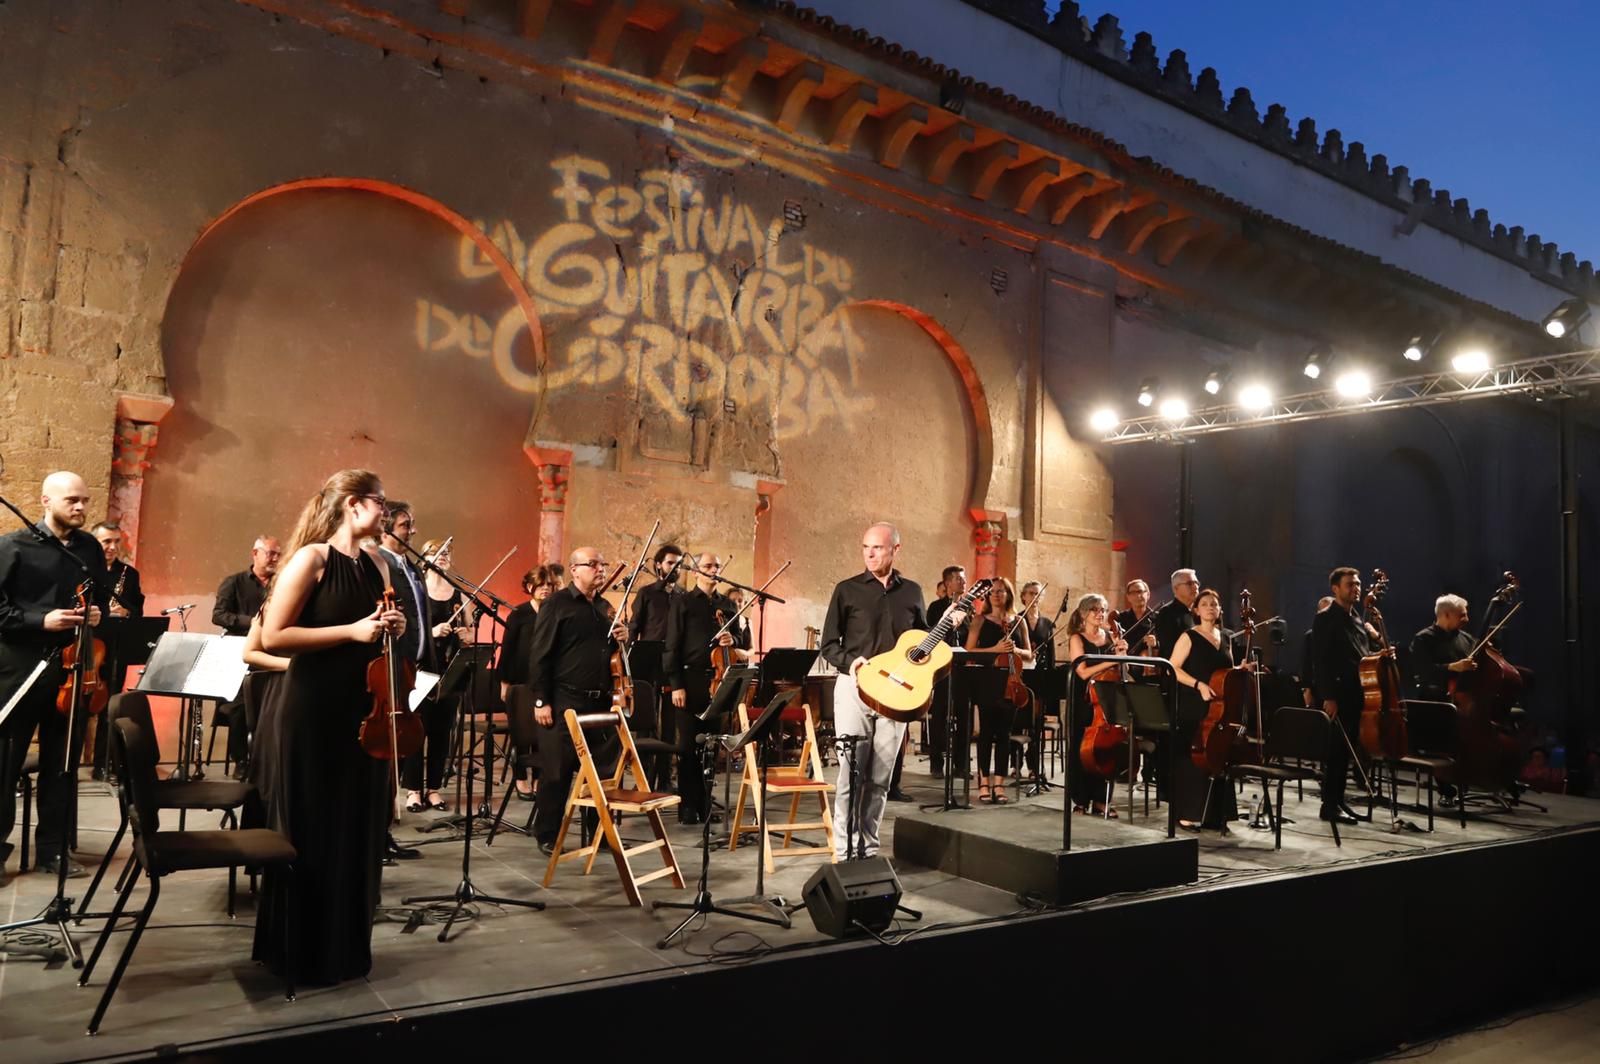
1086,789
1194,794
333,797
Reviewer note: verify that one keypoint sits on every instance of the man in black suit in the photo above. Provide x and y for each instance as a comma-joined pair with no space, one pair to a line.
1339,640
126,600
953,583
1177,616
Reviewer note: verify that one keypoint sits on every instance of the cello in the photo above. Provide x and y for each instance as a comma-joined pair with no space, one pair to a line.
392,730
1487,753
1383,719
1222,737
1103,750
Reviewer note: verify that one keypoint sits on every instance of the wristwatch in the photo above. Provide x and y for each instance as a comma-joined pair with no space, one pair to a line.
538,703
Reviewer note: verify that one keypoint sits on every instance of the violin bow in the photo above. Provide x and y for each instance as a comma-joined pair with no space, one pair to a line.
1491,633
751,602
480,584
627,588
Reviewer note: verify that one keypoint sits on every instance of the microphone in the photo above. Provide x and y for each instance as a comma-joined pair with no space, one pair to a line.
179,609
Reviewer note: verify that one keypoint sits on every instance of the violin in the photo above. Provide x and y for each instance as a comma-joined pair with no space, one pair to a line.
1486,753
1383,719
1223,738
621,684
392,730
721,656
91,652
1103,751
1017,692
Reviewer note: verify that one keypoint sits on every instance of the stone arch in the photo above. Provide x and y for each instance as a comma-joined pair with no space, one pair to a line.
423,202
972,386
348,338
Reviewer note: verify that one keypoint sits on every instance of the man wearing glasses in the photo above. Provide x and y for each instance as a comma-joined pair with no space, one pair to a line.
569,667
1177,616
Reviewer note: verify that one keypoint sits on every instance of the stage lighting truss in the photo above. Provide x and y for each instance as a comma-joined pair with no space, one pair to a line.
1548,376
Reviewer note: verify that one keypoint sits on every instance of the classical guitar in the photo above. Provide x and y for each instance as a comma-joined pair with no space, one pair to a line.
899,683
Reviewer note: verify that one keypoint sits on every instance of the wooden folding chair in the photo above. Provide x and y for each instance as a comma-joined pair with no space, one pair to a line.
797,780
607,796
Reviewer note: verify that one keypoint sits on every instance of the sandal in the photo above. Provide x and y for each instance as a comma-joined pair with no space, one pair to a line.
983,793
436,802
1105,812
414,802
1000,796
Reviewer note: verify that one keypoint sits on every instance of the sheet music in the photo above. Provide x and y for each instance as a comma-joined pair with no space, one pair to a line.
219,670
426,682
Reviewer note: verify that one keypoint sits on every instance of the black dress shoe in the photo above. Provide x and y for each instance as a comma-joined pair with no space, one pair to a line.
547,848
52,867
526,796
900,796
689,819
396,852
936,771
1337,816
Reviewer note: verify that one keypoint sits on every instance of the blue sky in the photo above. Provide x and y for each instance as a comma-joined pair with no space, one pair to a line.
1496,102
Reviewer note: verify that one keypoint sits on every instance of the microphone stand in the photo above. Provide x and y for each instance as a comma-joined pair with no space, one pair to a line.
58,910
466,893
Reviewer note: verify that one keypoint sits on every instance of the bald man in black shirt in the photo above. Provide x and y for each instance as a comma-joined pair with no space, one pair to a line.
38,618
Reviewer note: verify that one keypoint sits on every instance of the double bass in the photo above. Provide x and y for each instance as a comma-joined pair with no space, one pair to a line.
1223,737
392,730
1486,750
1383,719
1103,750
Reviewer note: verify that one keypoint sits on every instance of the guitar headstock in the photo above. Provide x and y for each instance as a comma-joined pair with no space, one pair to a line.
978,590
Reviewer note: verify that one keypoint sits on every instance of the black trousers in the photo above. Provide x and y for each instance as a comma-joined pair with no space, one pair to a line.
36,712
1337,764
438,714
688,728
994,737
558,759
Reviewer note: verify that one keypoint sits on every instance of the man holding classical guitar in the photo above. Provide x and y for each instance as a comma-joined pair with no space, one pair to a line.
885,679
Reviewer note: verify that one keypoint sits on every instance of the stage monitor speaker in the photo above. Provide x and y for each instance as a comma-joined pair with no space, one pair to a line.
841,896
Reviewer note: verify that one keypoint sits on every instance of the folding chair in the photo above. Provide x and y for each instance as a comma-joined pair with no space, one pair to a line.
797,781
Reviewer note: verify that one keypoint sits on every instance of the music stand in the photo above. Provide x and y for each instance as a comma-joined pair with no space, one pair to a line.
644,669
461,675
196,668
704,904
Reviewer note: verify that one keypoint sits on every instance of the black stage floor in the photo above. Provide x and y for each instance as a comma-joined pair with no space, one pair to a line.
1391,936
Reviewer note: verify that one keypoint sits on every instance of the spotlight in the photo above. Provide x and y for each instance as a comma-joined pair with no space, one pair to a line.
1213,383
1173,408
1353,383
1314,365
1255,396
1147,391
1104,420
1470,360
1415,350
1567,318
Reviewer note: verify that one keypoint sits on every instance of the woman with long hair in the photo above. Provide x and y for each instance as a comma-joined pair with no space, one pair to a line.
1089,632
323,614
1199,800
997,631
451,630
538,583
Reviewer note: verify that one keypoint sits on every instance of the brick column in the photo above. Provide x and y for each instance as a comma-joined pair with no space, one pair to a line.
138,424
988,531
554,466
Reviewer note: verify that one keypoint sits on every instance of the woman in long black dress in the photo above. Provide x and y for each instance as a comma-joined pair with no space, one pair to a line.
1089,632
1201,801
451,629
997,630
323,616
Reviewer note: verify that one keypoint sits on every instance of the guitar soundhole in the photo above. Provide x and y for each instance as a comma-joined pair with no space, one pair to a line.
916,656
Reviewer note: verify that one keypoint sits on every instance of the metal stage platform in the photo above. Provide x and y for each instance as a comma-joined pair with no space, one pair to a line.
1131,944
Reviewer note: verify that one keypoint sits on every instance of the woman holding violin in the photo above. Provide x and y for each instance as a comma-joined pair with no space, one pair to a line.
688,668
1198,655
336,798
447,613
1004,632
1089,632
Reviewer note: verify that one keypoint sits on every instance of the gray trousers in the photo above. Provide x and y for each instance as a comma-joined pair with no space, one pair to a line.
874,764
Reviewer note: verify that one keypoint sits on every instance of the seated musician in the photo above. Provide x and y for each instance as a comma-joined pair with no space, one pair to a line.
1089,632
1442,648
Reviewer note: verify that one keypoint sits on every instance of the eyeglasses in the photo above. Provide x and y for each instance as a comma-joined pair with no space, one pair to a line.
591,565
379,499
